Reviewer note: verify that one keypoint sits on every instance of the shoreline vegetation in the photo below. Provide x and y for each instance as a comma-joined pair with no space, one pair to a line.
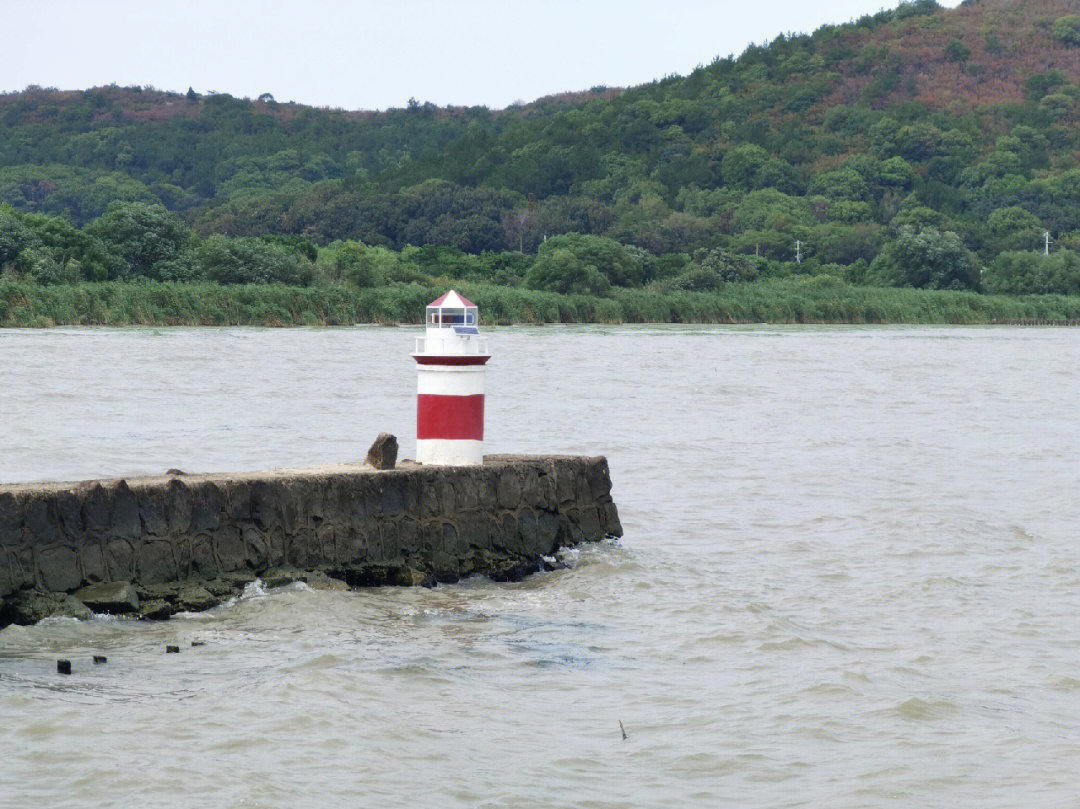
791,300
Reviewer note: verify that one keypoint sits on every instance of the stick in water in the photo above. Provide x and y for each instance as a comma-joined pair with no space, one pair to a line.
622,730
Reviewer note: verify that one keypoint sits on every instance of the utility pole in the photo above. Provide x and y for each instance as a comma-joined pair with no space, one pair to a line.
798,252
1046,237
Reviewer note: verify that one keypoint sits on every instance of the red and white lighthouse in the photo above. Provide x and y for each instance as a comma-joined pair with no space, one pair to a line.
450,360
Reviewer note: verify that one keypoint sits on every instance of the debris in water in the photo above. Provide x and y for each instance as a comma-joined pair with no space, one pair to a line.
63,667
172,650
99,659
622,730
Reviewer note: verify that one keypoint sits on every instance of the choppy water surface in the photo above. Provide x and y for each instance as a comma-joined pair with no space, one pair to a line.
850,577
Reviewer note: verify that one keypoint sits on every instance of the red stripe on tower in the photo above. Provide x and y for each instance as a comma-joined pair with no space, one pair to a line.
455,418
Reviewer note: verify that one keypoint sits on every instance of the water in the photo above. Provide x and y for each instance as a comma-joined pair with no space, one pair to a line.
850,577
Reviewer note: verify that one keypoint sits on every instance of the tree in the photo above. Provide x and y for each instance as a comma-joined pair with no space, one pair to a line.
141,235
1013,228
1023,272
561,270
619,264
957,51
1067,29
929,259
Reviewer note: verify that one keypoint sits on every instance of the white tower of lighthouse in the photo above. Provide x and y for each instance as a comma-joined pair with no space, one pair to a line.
450,360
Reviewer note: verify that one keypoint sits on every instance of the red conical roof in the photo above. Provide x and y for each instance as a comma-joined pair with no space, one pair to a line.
452,298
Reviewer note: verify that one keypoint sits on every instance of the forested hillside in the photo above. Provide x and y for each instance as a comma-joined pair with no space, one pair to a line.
917,147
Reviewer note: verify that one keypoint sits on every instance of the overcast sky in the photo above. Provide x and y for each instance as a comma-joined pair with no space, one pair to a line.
374,54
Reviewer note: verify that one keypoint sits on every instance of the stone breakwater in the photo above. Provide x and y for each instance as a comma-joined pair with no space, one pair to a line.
154,546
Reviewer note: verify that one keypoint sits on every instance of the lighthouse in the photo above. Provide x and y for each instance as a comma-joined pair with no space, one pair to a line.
450,360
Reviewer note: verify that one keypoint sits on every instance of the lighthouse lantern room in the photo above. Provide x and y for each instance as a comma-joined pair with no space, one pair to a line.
450,360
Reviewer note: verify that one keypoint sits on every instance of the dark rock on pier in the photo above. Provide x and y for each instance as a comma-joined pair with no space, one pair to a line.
152,547
383,453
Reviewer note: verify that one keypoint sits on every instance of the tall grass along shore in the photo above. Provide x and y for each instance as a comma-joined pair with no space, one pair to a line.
805,300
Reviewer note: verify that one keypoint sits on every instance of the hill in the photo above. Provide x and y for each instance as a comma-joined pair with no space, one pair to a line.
877,145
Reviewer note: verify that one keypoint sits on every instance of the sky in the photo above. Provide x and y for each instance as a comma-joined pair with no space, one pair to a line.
375,54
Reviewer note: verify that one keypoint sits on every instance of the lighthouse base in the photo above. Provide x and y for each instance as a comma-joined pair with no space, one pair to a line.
449,452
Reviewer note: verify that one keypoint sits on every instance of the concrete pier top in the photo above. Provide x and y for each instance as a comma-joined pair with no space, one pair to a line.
405,466
187,541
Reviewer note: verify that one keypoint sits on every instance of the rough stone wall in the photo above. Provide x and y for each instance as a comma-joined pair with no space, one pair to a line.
349,523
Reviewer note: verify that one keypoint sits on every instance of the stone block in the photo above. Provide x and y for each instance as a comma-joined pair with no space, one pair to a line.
467,492
508,488
587,520
565,484
41,525
10,521
92,562
155,562
30,607
120,559
408,537
23,567
599,479
391,502
58,568
529,534
326,543
487,491
609,519
266,511
410,494
229,548
447,502
275,545
549,528
206,508
203,561
530,487
7,573
154,511
350,546
178,503
547,497
95,510
115,597
70,512
124,521
236,497
429,499
193,597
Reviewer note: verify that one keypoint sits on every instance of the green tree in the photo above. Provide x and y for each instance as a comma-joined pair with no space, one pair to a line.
562,270
1067,29
957,51
1013,228
1025,272
929,259
141,235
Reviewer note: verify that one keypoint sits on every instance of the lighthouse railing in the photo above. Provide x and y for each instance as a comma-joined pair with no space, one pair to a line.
466,347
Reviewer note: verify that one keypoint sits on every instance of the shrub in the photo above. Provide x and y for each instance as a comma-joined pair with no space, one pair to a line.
1067,29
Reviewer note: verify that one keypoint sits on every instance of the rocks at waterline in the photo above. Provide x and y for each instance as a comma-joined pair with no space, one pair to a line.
114,597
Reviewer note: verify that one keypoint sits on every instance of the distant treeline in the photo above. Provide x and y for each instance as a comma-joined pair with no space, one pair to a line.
145,242
918,146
